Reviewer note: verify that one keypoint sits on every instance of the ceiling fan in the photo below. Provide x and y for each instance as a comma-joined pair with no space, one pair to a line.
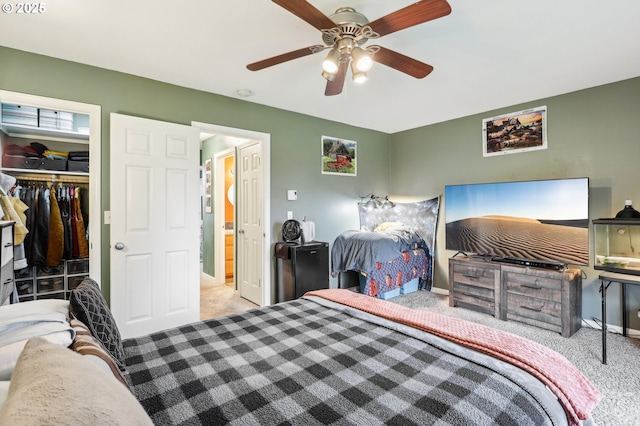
346,32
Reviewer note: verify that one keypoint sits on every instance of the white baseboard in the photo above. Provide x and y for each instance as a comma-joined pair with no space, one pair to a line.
439,290
206,278
616,329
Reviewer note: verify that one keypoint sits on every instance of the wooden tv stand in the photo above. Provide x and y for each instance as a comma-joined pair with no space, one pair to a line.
540,297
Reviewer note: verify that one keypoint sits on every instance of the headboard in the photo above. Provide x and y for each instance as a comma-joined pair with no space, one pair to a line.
421,215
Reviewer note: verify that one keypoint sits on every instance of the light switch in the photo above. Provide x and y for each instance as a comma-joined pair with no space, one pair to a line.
292,194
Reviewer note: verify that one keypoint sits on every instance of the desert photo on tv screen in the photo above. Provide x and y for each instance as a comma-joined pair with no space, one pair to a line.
545,220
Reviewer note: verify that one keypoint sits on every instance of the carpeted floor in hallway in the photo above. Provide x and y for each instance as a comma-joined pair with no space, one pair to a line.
217,300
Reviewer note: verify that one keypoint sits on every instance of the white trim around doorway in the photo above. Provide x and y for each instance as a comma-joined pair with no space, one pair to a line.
265,140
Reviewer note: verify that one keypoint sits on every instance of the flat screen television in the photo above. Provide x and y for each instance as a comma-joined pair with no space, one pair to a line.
544,220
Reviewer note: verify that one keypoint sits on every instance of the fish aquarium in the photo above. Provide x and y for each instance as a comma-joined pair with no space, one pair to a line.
617,245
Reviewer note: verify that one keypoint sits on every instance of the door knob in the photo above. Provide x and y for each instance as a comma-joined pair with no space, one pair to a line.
119,246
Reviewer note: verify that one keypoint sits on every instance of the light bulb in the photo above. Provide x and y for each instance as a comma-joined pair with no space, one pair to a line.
328,76
362,60
360,77
330,63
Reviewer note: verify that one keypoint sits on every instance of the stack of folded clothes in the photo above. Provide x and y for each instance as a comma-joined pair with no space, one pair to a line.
19,157
78,161
33,156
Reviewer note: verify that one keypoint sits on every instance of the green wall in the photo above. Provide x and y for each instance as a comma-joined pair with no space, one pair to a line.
208,225
295,138
591,133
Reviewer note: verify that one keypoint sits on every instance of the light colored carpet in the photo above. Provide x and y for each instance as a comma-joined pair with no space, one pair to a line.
217,300
618,380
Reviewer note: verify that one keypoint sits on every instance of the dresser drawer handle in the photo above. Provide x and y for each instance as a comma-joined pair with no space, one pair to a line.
529,308
8,280
532,286
8,244
473,277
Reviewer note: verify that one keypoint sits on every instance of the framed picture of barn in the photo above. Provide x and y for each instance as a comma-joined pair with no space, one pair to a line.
338,156
515,132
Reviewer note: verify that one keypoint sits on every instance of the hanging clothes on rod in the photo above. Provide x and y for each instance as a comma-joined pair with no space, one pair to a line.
65,213
55,221
83,245
56,231
14,209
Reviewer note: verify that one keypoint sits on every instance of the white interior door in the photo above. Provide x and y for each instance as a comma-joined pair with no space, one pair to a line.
155,224
250,233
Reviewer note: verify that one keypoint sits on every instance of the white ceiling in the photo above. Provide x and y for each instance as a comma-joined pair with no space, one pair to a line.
486,54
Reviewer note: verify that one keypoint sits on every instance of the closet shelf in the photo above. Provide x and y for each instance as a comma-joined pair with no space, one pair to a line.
41,133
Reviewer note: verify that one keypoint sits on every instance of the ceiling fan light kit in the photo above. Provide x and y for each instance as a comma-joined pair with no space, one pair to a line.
347,31
330,64
361,59
358,76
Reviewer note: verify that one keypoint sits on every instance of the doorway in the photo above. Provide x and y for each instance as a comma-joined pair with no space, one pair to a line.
225,140
93,112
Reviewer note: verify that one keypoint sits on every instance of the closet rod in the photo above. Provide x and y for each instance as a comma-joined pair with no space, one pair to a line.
53,179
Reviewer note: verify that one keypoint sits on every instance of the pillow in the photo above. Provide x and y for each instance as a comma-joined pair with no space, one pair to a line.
88,305
9,354
21,321
54,385
4,391
25,330
85,344
386,225
34,308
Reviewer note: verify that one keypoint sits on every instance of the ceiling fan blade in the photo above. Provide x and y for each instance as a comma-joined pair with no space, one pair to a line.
414,14
307,13
265,63
335,86
402,63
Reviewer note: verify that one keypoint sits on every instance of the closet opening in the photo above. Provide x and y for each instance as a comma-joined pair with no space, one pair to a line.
51,153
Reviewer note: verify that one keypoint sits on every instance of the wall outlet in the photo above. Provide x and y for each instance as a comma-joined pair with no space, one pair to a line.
289,215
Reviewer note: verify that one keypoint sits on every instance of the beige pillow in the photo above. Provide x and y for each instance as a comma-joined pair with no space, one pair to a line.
52,385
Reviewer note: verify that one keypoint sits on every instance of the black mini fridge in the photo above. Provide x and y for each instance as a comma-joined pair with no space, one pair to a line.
301,268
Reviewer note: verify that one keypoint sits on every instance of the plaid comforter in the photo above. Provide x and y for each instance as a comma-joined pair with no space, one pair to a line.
312,361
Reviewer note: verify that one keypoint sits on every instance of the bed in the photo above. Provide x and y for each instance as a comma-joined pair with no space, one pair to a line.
392,252
389,260
338,357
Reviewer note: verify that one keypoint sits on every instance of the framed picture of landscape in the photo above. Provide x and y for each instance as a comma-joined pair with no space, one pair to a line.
338,156
515,132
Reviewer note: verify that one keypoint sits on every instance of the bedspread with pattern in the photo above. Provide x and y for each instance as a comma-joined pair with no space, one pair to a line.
390,275
315,362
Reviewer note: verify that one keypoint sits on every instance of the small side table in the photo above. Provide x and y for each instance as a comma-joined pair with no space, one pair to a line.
301,268
606,278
